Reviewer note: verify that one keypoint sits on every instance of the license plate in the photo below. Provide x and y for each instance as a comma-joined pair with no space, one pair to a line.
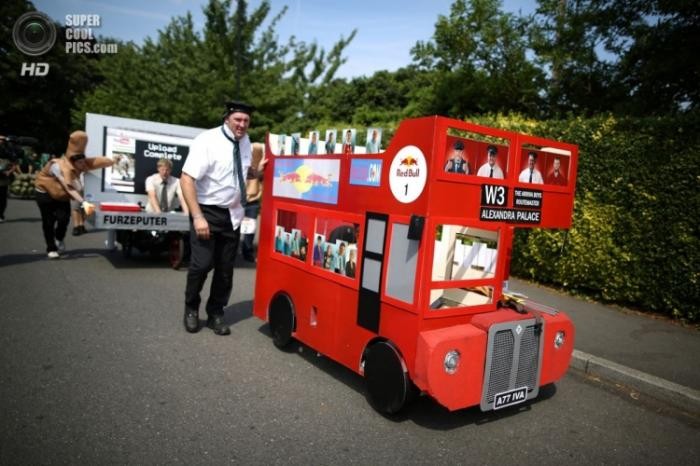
509,398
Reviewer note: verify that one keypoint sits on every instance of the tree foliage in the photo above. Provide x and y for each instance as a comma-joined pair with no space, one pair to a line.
184,76
635,57
479,62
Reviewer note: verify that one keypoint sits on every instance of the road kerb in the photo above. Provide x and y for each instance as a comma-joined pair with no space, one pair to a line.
680,396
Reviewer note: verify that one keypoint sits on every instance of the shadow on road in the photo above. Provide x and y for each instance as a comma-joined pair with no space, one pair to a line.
118,261
424,411
238,312
23,220
138,260
18,259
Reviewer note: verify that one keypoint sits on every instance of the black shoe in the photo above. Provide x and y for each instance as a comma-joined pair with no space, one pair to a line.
82,229
249,258
217,324
191,321
77,232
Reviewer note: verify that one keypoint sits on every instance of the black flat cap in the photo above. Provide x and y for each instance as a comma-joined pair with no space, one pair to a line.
235,106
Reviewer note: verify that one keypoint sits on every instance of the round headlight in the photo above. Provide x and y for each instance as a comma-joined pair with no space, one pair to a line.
451,361
558,339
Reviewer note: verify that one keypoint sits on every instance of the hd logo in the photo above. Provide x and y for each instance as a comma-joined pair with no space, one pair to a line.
34,69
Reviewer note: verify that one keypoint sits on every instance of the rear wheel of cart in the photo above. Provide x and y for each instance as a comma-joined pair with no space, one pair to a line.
176,251
126,239
281,318
388,386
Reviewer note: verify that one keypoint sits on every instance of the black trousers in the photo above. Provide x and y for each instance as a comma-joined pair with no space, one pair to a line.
218,253
3,200
55,216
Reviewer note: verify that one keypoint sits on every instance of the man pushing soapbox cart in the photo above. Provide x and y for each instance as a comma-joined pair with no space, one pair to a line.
148,232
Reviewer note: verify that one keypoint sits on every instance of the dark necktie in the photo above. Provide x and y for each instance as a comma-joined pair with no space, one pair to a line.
238,175
491,174
164,197
530,176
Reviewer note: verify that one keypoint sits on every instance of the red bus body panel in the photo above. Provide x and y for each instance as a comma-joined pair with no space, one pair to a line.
326,305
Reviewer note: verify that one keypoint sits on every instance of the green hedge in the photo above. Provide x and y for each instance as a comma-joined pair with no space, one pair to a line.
634,238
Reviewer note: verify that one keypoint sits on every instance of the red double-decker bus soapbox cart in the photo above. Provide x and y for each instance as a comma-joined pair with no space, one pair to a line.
395,264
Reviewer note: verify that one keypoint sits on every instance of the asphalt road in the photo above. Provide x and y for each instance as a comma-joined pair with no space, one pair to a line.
96,368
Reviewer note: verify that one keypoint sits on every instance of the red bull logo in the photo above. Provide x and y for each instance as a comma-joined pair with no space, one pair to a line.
318,180
409,161
292,177
408,167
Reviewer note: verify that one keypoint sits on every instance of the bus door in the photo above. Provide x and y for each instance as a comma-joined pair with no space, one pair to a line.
369,303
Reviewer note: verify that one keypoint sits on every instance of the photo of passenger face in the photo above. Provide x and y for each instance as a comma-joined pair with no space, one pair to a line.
328,257
349,141
491,168
296,143
313,143
351,265
531,173
319,250
281,140
556,174
340,258
374,140
279,239
295,243
330,141
287,249
457,161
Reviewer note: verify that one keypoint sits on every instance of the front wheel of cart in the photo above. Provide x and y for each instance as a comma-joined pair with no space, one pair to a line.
281,318
176,251
388,384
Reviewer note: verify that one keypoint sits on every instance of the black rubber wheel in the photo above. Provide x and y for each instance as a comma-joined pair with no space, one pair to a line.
126,239
388,384
127,247
176,251
281,318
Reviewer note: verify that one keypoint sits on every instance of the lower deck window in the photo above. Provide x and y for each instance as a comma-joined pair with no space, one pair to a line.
290,239
335,246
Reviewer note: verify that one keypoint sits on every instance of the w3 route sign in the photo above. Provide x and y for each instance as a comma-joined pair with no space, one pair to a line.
496,205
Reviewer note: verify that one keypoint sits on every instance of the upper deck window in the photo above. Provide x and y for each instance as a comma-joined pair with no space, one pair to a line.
544,165
468,153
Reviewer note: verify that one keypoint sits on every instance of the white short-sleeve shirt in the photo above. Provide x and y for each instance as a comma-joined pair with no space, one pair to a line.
210,163
155,183
485,171
536,176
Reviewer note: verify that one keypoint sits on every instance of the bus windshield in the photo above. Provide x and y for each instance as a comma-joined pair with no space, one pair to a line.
464,266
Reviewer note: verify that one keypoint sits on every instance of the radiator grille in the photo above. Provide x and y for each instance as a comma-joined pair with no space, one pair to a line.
529,356
501,363
513,359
